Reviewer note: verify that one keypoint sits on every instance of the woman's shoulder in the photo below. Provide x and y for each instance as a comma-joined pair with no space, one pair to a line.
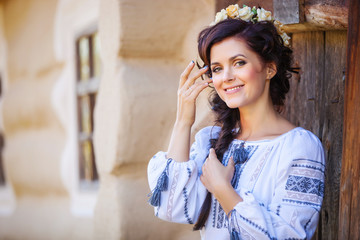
300,141
297,151
301,135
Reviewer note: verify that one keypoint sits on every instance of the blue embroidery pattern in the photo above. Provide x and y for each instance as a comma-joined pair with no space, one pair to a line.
233,223
308,166
305,185
278,210
309,160
220,218
193,153
240,156
301,202
189,172
214,212
186,213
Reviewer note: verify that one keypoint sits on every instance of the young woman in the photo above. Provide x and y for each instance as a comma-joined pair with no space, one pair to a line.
254,175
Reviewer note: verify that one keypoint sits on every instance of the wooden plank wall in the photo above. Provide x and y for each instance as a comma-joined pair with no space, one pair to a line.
315,102
349,210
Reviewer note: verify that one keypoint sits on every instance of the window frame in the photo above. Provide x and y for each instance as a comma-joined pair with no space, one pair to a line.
86,88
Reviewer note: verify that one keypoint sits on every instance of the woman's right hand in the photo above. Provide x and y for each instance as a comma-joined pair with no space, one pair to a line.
188,91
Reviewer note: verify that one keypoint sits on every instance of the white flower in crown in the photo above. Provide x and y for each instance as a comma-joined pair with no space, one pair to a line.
245,13
279,26
233,11
286,39
220,16
263,15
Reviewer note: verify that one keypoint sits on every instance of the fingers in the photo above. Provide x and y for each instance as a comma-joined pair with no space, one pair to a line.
203,168
185,81
193,92
204,181
190,81
203,176
195,89
184,76
230,168
231,162
212,153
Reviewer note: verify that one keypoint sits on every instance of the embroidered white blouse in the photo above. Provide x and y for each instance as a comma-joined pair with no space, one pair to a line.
281,184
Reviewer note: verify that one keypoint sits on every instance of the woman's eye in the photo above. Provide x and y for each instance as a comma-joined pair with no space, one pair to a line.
240,63
216,69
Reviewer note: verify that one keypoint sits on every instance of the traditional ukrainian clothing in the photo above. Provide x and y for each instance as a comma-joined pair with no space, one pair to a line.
281,182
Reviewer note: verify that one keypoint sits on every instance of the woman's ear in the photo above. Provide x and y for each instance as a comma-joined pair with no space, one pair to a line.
271,70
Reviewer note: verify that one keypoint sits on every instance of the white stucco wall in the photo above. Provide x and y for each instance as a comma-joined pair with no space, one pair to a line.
146,46
7,197
34,132
72,21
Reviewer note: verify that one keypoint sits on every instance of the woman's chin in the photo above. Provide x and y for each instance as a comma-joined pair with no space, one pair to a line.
232,105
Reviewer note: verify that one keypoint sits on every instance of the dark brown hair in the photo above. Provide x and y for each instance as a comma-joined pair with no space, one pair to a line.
263,39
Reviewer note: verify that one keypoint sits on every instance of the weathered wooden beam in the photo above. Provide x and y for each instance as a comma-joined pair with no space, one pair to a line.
349,210
321,17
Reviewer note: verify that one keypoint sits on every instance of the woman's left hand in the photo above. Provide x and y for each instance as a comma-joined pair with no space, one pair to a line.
216,176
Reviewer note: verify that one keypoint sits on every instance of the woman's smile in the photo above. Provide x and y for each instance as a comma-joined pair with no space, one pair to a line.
234,89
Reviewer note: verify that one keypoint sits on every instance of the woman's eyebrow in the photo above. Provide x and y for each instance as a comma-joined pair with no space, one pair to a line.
232,58
238,55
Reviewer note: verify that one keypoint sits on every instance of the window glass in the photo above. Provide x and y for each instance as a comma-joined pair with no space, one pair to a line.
84,54
88,74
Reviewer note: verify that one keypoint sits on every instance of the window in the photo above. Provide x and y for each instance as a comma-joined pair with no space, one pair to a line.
88,79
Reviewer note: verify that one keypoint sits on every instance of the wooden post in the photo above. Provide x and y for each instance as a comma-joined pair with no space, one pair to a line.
349,209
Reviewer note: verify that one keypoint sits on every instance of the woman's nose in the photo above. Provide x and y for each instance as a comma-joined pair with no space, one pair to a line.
228,75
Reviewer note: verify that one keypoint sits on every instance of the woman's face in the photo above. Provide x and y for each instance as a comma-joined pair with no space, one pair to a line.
238,74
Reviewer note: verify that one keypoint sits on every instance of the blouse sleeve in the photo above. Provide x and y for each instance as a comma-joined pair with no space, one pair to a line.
293,211
182,197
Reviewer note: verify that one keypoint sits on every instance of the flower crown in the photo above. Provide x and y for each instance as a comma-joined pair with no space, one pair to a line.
253,15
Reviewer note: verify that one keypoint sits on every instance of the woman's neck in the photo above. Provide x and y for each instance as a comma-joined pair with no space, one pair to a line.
259,122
